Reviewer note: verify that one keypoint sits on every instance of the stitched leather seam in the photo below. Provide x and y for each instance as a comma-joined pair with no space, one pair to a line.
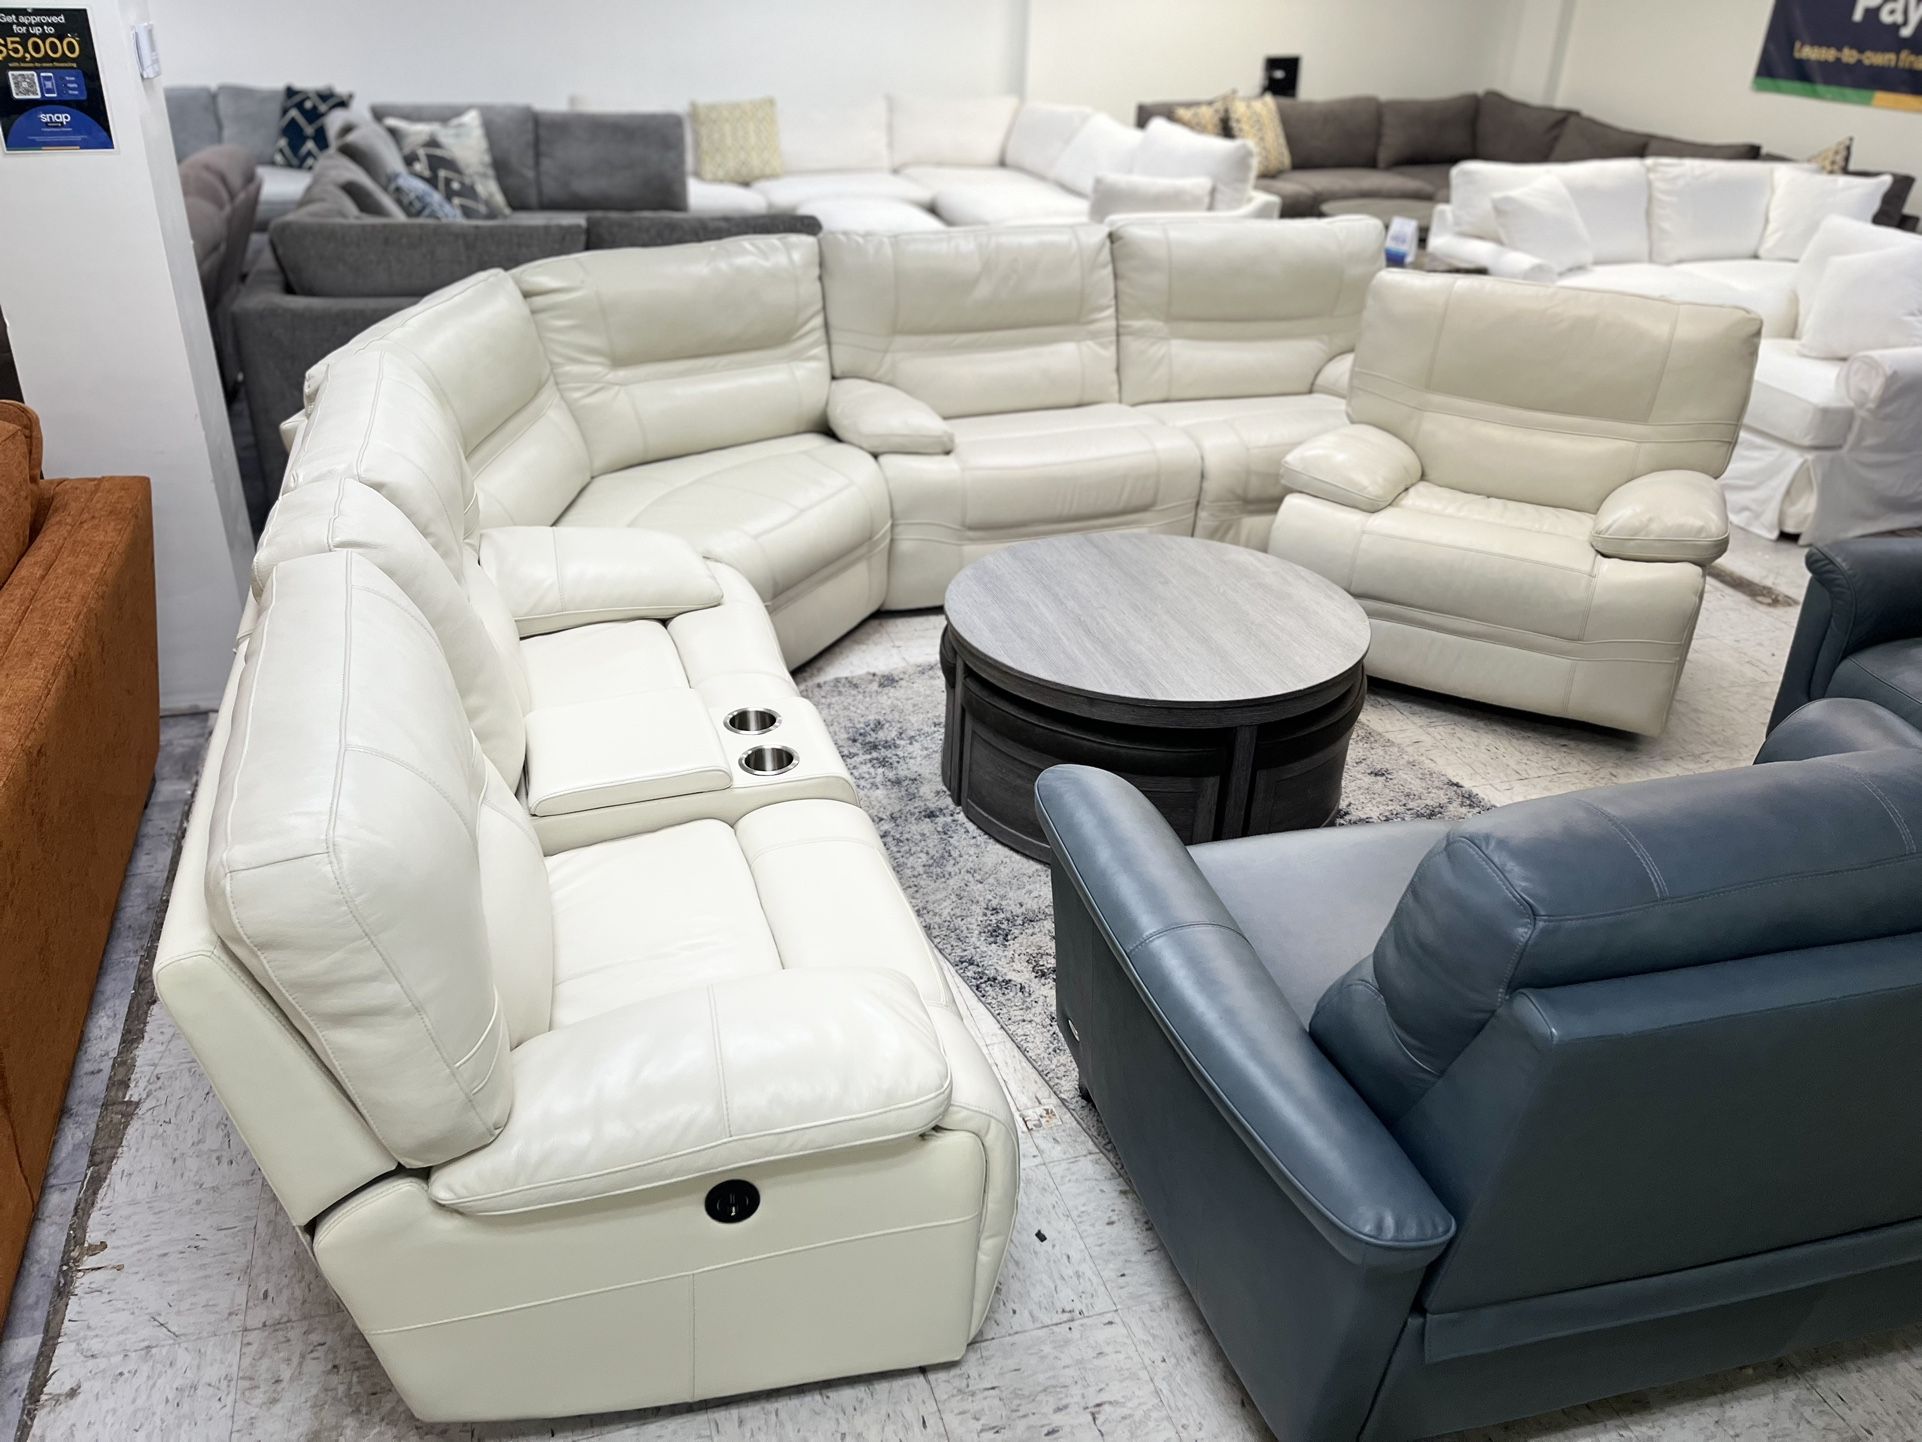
1521,943
1908,840
1615,824
1362,983
1567,918
1184,926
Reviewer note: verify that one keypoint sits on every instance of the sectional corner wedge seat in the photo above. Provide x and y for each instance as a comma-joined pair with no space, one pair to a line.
684,1112
846,422
1604,1104
1525,501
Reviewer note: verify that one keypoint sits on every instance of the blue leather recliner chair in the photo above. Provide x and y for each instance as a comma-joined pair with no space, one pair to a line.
1860,632
1449,1124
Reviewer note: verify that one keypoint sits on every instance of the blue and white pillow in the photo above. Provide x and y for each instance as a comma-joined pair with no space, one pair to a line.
419,198
303,123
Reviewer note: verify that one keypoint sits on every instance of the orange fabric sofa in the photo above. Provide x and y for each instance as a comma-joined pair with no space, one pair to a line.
79,731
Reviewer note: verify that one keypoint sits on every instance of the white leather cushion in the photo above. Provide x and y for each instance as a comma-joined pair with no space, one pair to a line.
1865,302
619,751
671,350
515,902
720,197
1838,236
1041,133
834,135
1147,194
1706,209
1611,195
1168,149
554,577
937,130
1541,220
343,515
790,192
868,214
1802,199
1104,146
1798,398
342,866
1012,198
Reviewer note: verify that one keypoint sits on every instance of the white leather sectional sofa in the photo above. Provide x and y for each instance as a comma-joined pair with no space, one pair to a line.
1830,445
906,163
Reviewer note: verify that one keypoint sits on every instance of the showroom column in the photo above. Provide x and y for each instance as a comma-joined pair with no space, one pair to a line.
104,314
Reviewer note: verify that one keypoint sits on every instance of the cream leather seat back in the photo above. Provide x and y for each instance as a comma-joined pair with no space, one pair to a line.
976,322
476,343
369,867
1547,394
1210,311
672,350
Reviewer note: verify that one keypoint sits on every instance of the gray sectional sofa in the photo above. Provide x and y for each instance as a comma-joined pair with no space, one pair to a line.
1363,147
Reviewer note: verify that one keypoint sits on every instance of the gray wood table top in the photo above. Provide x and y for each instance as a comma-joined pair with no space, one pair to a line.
1162,620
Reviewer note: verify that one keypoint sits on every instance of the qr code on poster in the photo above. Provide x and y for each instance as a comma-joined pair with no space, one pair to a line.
24,84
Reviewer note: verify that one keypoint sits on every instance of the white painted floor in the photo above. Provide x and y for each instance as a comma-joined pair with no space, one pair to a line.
195,1312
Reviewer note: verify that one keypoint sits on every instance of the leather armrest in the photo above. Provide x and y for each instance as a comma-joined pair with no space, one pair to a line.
1360,466
1332,379
1836,726
1302,1121
1861,593
716,1079
556,577
1663,516
881,418
621,750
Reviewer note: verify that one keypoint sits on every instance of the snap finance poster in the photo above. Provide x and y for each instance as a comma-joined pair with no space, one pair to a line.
50,83
1862,52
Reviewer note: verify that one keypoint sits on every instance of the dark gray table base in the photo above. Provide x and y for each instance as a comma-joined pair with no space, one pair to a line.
1219,775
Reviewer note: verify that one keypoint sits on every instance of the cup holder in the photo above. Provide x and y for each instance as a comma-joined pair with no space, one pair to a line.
768,760
752,720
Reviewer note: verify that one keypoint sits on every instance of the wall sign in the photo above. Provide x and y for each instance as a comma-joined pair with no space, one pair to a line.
1864,52
50,83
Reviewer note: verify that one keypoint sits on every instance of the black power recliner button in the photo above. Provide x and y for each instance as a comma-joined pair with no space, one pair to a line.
733,1200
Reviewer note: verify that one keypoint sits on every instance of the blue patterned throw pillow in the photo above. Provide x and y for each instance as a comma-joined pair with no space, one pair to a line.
303,123
419,199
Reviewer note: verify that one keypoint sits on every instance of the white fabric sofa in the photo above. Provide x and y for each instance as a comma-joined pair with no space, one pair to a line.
1526,500
901,163
1827,451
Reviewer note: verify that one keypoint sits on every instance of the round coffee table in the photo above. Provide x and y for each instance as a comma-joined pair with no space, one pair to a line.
1222,681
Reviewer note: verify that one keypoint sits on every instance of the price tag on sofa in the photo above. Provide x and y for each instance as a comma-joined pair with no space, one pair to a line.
50,96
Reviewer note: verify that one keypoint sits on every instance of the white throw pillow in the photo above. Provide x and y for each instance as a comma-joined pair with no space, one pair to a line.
1610,195
1802,199
1168,149
1870,301
1706,209
1541,220
830,136
933,130
1104,146
1041,133
1148,194
1838,236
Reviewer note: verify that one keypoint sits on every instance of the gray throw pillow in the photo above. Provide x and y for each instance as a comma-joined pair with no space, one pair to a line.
419,200
1427,132
370,196
370,146
1697,150
465,138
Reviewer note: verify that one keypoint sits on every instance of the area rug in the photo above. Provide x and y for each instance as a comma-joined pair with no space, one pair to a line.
987,907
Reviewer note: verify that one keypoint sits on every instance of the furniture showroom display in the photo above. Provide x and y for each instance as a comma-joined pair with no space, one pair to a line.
244,116
1830,442
1364,147
1860,631
79,731
1525,500
1222,682
1605,1103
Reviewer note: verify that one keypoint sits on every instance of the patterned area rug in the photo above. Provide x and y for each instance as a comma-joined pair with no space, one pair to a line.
987,907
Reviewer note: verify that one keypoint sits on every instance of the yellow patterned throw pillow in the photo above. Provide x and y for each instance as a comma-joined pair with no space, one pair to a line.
1835,159
1258,121
735,141
1209,118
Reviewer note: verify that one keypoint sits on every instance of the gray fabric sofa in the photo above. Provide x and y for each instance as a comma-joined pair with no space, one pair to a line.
1607,1103
1363,147
202,116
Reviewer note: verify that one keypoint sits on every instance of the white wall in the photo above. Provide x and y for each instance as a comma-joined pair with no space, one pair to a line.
1113,53
1682,67
648,53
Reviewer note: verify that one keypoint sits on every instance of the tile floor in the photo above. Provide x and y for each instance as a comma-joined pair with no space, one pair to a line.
195,1312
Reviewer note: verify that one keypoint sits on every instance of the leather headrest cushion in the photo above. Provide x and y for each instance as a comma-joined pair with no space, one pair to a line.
1649,877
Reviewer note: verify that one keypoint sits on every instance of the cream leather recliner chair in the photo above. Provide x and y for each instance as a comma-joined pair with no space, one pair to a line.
1526,499
980,367
1241,337
677,1115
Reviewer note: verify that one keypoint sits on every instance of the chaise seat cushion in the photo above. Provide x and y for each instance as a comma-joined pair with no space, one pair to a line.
1243,443
804,518
1889,675
791,192
793,886
1798,398
1033,473
869,214
1010,199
